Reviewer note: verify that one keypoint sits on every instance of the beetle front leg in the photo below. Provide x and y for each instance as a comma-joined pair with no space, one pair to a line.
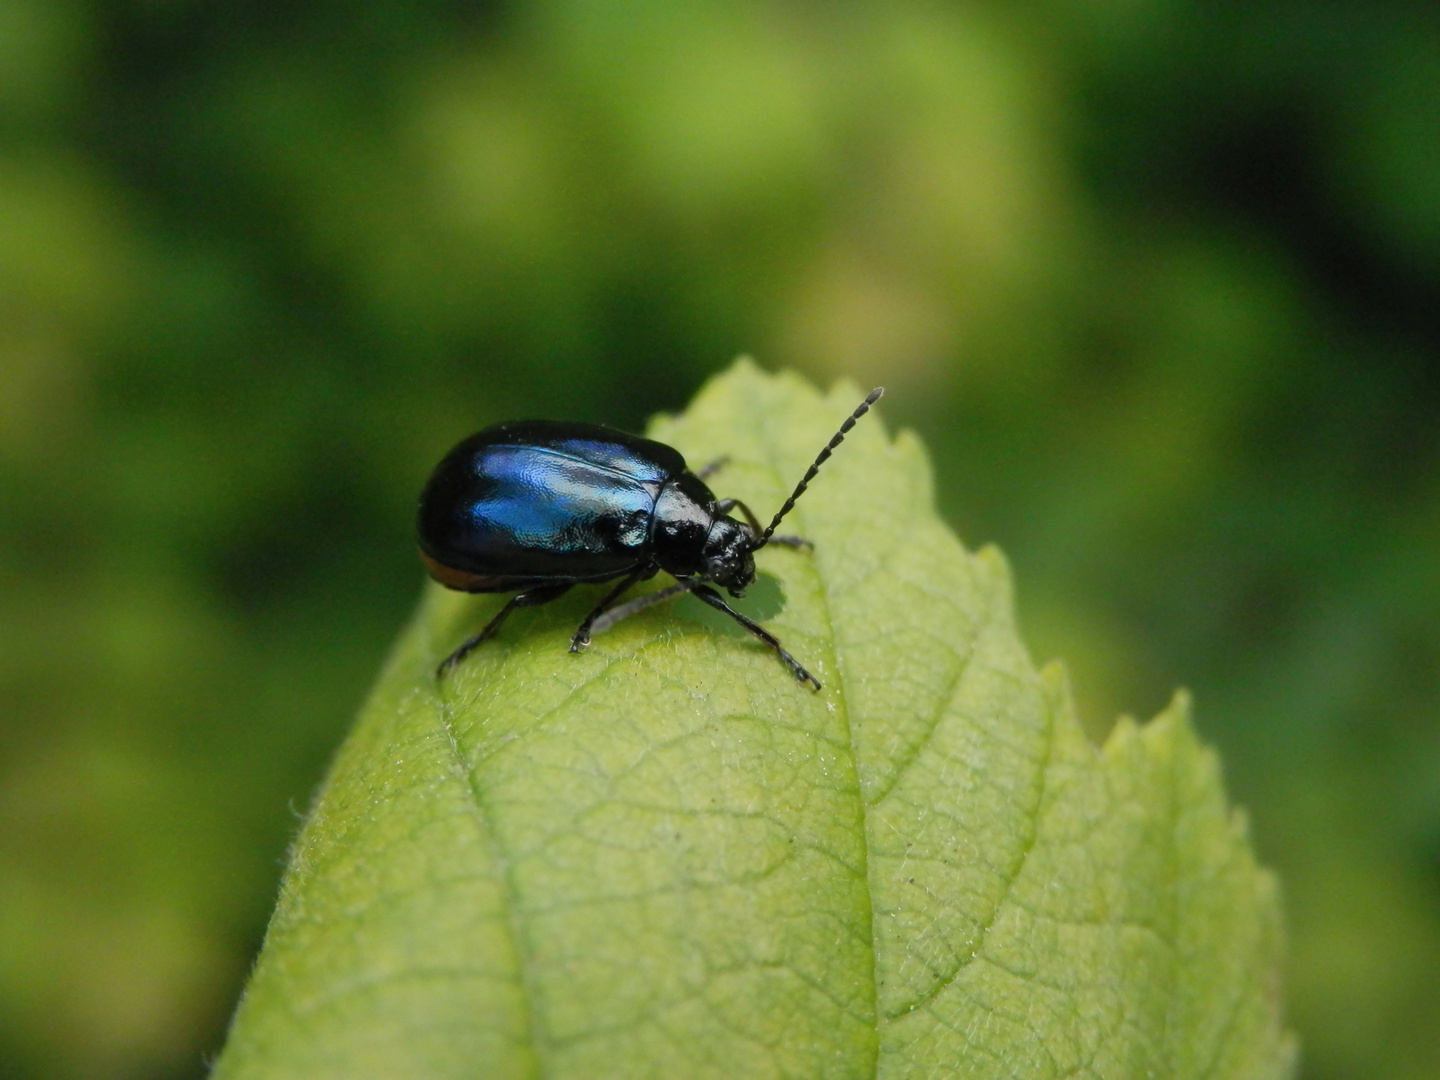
543,595
713,598
724,506
581,637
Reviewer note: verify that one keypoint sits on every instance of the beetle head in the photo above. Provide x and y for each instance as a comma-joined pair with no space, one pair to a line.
730,555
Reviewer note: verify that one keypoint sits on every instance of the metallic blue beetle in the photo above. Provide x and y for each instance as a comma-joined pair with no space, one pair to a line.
536,506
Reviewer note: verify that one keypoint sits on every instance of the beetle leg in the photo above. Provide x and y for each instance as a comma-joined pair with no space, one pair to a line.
724,506
640,603
581,637
711,469
792,541
542,595
713,598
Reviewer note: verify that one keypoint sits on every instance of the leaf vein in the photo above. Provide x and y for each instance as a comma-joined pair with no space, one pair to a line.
514,930
1018,867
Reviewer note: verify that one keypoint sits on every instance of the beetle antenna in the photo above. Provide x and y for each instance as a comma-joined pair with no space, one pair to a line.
820,459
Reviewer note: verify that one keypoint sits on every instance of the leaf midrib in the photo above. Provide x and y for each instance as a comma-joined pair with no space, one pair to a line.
843,701
514,929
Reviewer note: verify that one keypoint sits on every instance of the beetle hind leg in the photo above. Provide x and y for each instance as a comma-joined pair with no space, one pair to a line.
531,598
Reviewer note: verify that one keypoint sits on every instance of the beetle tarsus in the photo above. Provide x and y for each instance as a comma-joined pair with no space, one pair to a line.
715,600
450,662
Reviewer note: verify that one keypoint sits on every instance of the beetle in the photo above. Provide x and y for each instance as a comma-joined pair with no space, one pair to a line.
536,506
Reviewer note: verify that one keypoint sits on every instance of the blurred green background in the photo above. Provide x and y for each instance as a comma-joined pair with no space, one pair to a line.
1157,281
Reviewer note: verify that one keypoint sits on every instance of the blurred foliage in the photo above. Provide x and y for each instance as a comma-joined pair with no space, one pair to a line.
1159,283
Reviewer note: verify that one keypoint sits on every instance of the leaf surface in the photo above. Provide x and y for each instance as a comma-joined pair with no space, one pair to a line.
665,858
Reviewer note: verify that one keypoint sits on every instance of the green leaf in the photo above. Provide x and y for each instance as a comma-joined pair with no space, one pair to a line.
665,858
